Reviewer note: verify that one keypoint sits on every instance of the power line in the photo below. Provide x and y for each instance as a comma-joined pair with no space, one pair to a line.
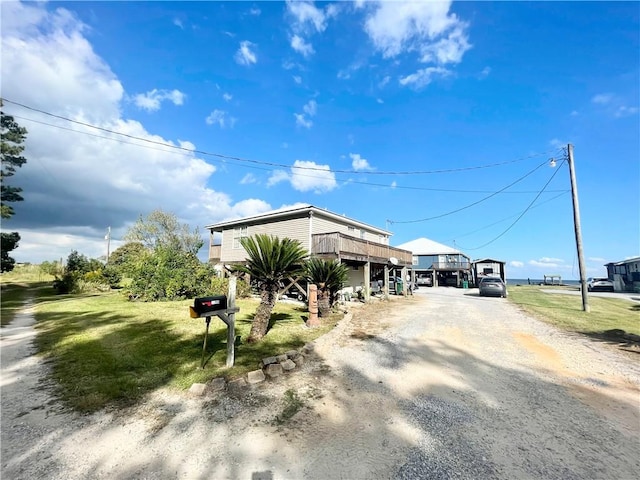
522,214
272,164
512,216
256,167
471,204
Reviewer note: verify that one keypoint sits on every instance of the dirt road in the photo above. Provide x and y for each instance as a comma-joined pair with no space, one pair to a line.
442,385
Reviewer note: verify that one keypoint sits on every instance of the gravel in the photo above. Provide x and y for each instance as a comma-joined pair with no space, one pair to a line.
442,385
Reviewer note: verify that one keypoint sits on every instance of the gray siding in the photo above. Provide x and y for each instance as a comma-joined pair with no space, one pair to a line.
294,228
327,225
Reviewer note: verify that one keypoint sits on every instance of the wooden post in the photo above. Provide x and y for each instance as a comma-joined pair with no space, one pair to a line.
204,344
313,306
405,284
231,324
367,280
386,282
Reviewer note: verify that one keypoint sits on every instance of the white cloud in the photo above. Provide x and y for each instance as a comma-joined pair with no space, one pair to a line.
301,121
306,17
537,263
394,184
300,46
221,118
485,72
311,108
244,55
516,264
625,111
227,97
597,259
551,260
384,81
297,79
423,77
358,163
248,179
602,98
379,100
424,27
80,184
178,23
305,176
255,11
151,100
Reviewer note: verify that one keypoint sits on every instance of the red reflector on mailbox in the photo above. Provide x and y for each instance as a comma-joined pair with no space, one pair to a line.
206,306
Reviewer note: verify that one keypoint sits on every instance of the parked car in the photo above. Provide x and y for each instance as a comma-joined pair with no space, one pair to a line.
599,284
424,279
492,286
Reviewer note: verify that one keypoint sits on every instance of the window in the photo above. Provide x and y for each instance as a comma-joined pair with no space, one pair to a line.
352,231
414,260
487,270
362,234
238,233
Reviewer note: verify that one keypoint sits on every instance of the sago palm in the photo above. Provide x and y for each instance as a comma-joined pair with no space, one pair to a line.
329,276
270,261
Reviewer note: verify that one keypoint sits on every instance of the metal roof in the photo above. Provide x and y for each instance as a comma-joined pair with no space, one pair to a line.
292,211
424,246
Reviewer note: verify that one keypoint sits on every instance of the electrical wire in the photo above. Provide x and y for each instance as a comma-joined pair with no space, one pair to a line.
522,214
189,153
271,164
512,216
471,204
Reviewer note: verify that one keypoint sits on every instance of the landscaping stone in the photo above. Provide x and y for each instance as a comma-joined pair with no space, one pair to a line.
256,376
299,360
308,348
197,389
268,361
237,384
281,358
292,354
273,370
216,384
288,365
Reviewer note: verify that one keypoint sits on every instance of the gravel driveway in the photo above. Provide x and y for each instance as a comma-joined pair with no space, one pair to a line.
441,385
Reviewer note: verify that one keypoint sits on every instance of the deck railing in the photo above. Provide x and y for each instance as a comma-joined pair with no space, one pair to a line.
343,246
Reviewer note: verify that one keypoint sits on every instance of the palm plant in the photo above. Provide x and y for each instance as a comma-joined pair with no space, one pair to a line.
329,276
270,261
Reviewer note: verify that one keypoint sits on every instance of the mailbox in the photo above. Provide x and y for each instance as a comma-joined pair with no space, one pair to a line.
208,306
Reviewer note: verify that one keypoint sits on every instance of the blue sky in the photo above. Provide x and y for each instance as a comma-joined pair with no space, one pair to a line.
391,113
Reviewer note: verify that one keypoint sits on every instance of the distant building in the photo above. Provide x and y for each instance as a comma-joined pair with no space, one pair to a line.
445,266
625,275
488,267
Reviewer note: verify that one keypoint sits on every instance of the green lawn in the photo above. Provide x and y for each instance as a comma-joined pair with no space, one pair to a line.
565,311
107,351
16,286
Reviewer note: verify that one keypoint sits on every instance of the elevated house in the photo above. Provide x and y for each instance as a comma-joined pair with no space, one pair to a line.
438,263
364,248
625,275
488,267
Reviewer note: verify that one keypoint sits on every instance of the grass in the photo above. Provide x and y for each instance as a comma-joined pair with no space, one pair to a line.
106,351
292,405
565,311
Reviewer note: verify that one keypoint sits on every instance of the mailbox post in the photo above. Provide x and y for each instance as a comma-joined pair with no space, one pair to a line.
223,307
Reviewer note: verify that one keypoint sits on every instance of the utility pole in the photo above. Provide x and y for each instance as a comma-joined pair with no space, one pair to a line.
108,239
578,232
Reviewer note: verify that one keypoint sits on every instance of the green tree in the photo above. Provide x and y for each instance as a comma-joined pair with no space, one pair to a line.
9,243
12,137
162,229
270,261
124,258
169,274
329,276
